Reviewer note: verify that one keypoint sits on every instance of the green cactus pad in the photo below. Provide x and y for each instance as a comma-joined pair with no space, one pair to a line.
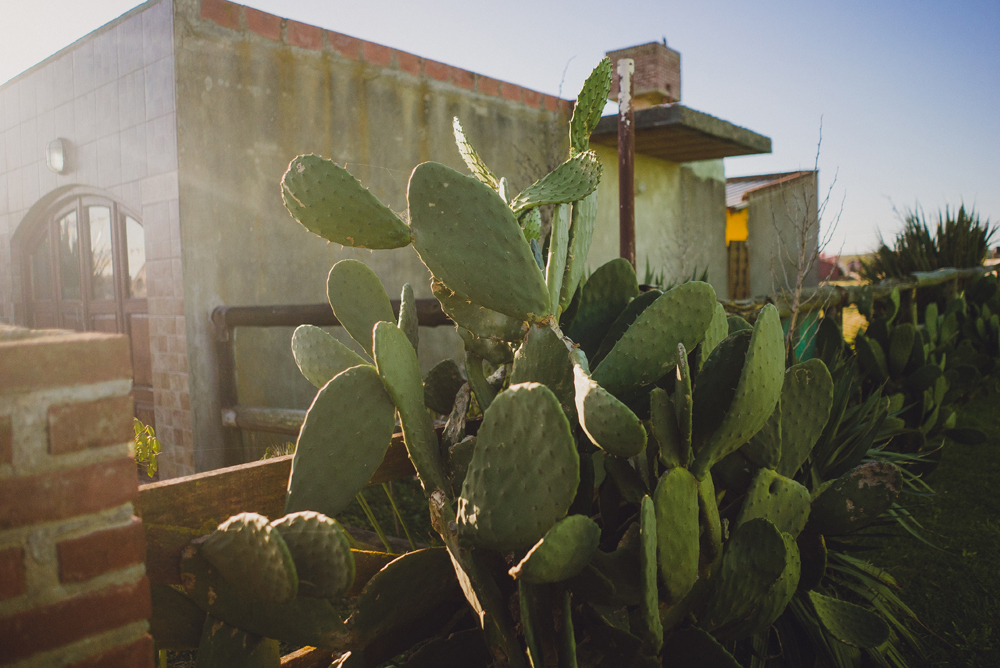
224,646
623,322
571,181
358,300
717,382
677,530
692,647
543,358
764,449
684,402
755,558
399,370
711,525
849,623
717,330
602,299
871,357
855,499
330,202
806,401
812,549
555,268
338,450
531,225
459,458
589,106
756,395
901,347
524,472
931,322
664,426
608,423
401,593
737,324
534,618
651,630
321,552
562,553
319,356
408,318
442,383
497,352
776,498
471,157
581,233
648,350
482,322
249,553
468,237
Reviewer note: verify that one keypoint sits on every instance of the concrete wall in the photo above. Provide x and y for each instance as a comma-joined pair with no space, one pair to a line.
254,91
777,215
111,95
680,218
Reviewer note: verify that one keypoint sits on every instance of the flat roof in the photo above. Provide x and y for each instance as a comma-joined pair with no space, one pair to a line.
680,134
739,188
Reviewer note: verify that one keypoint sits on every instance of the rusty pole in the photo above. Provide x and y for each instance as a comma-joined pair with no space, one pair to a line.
626,161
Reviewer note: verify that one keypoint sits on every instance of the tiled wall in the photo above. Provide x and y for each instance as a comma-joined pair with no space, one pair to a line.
111,95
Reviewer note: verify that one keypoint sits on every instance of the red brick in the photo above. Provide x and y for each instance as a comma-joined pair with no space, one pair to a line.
12,581
377,54
567,106
304,35
552,103
436,70
512,92
59,624
345,45
93,424
137,655
533,98
463,78
408,62
487,85
60,494
264,24
101,552
6,440
225,14
63,360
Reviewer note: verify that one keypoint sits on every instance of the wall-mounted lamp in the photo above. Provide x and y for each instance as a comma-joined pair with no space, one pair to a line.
55,155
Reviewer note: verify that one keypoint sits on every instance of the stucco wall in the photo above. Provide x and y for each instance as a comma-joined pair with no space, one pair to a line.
248,102
774,223
680,218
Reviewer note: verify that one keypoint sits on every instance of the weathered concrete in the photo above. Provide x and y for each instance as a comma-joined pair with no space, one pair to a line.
774,224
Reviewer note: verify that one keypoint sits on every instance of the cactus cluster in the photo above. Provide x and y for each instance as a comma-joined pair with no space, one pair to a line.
634,491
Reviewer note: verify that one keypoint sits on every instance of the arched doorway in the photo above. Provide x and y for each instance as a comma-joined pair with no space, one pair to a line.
83,257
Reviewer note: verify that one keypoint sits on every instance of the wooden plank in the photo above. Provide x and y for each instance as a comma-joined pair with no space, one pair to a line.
309,657
257,418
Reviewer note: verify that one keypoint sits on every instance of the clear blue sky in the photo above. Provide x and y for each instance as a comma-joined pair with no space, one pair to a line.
909,92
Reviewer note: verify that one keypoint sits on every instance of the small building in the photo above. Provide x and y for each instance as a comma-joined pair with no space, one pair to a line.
771,220
139,172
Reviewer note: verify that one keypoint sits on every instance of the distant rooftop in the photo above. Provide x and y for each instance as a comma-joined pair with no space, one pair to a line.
738,188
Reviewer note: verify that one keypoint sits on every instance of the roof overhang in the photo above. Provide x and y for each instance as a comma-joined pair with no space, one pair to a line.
679,134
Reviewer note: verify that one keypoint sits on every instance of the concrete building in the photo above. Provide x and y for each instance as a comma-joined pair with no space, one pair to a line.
139,172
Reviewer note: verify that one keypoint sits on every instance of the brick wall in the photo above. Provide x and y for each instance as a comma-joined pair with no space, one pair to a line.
73,587
657,78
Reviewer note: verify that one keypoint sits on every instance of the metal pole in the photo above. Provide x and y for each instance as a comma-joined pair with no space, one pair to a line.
626,161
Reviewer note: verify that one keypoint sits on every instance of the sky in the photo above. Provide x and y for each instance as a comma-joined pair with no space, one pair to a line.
907,92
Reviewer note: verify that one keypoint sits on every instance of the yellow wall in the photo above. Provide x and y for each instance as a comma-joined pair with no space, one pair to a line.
736,225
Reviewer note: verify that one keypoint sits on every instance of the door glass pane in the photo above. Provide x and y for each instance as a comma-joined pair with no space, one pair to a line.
102,284
69,257
41,272
135,240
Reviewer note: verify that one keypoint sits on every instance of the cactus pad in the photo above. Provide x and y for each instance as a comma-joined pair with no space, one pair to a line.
497,352
650,629
571,181
849,623
319,356
602,299
555,268
468,237
855,499
543,358
321,552
624,321
717,330
358,300
677,530
442,383
330,202
648,350
248,552
338,450
776,498
562,553
481,321
764,449
223,646
589,106
581,233
664,426
608,423
408,318
524,472
471,158
806,400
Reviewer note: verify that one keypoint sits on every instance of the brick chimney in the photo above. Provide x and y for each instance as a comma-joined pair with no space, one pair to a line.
657,78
